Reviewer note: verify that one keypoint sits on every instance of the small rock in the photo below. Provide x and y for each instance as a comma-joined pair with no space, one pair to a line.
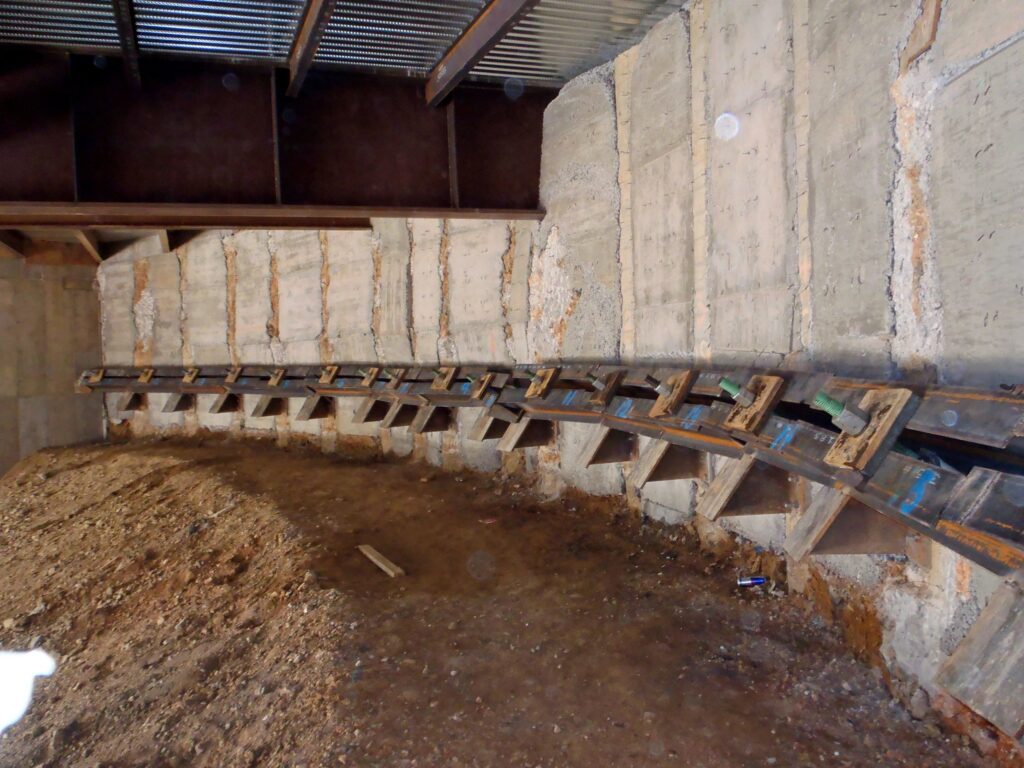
919,704
9,623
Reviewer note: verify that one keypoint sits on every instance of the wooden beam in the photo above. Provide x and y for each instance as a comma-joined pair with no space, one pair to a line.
197,216
87,239
124,18
486,31
165,241
12,244
307,40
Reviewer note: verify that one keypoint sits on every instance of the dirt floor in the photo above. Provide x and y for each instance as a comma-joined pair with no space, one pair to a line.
208,607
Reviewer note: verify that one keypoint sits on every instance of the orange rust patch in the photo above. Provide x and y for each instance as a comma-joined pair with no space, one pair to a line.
230,255
862,631
143,347
816,591
997,550
963,578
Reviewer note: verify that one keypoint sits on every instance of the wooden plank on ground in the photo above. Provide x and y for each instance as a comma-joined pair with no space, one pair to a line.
380,561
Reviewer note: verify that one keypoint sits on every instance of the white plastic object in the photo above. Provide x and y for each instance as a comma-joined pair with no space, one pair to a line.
18,671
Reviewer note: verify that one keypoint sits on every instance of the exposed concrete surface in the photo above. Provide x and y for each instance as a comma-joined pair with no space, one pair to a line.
977,187
852,138
298,261
751,203
425,236
661,193
50,315
350,295
575,294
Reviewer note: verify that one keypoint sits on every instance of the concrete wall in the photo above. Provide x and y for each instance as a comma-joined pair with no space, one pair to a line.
806,183
49,323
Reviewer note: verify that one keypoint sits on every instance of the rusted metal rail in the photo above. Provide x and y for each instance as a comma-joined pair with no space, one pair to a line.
944,463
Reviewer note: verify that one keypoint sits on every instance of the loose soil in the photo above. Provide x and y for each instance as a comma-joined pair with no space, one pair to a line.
208,607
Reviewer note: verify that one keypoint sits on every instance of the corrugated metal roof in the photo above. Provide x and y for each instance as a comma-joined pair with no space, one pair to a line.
229,28
401,36
559,39
59,23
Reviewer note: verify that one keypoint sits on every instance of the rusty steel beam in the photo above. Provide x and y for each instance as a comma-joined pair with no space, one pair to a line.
307,40
125,20
192,216
486,31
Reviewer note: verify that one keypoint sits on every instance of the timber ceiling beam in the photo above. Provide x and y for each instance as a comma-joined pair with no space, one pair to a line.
125,20
486,31
307,40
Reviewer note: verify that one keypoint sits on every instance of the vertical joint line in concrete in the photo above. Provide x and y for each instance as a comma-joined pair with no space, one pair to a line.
701,322
802,126
231,276
507,266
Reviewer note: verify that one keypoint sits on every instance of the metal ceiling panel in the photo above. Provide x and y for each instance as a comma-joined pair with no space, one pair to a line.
556,41
218,28
396,36
59,23
559,39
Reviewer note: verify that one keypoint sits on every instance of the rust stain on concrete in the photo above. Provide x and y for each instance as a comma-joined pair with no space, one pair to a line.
143,312
274,324
230,257
375,318
507,263
444,316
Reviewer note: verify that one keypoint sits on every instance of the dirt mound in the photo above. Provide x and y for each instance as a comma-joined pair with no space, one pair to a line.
208,607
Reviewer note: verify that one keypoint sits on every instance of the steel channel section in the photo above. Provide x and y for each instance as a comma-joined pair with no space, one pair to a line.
916,493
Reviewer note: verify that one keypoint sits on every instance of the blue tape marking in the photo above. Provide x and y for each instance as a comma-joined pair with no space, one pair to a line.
569,396
784,438
491,399
624,408
405,387
691,421
916,495
465,387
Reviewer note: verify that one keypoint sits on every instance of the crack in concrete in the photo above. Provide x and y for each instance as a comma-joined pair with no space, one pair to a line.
916,343
507,264
274,323
324,341
375,318
143,313
447,351
187,353
231,276
410,328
